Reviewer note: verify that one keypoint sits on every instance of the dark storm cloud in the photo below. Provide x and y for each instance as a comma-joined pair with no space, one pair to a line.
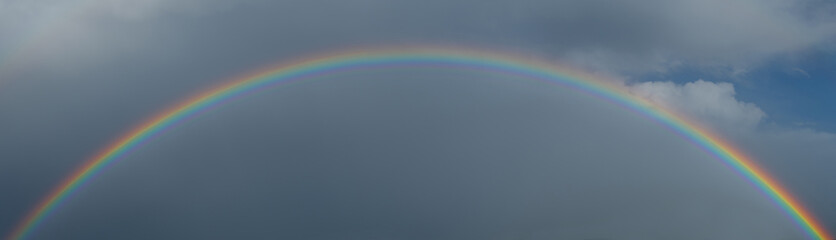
805,152
427,155
401,154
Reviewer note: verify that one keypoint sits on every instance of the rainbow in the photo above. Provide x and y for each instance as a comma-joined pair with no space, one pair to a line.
502,63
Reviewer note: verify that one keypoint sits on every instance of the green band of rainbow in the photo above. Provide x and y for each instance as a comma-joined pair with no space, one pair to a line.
447,57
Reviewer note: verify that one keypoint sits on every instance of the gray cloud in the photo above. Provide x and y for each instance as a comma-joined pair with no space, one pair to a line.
785,151
405,154
798,152
614,36
411,154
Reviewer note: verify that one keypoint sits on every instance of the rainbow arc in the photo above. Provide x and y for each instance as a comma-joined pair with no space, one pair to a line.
501,63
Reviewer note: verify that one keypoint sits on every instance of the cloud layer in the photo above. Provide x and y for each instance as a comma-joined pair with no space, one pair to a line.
404,154
614,36
409,153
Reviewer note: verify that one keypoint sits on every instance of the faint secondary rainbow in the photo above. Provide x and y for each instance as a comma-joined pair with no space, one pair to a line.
502,63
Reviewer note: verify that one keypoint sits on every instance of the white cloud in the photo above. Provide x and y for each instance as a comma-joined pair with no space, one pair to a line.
801,71
711,103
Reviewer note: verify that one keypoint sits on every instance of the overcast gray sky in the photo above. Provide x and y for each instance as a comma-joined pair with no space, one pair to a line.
408,153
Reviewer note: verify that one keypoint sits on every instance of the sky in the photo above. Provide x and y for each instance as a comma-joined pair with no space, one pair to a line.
417,152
